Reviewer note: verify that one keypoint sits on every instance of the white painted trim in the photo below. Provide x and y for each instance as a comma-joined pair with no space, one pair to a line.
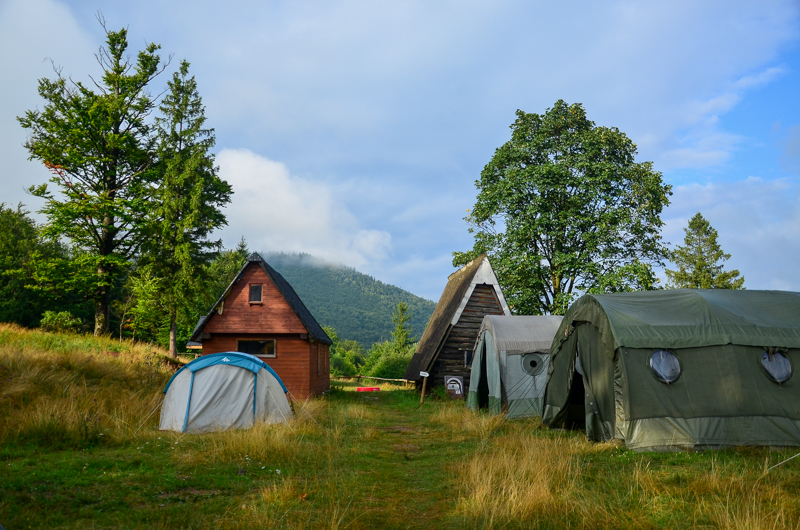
484,275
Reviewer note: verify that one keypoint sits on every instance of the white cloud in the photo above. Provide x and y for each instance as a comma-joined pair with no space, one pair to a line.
277,211
758,223
32,34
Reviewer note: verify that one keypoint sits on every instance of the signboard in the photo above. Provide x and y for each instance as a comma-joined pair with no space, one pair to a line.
455,386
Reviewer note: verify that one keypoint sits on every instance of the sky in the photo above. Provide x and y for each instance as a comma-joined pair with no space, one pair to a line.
355,130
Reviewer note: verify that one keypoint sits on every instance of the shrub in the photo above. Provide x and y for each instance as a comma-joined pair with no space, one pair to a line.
59,322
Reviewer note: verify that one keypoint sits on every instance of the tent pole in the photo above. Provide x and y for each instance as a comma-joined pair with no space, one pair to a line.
424,384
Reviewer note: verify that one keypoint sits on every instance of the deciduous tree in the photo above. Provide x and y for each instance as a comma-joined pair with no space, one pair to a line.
563,208
98,145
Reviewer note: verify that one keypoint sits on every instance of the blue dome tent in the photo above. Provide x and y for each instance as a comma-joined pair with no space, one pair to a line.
221,391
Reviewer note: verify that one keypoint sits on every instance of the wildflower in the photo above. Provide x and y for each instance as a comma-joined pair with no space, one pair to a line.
262,467
278,471
176,443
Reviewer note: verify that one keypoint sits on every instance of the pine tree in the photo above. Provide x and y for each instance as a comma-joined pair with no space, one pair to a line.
401,336
188,196
700,260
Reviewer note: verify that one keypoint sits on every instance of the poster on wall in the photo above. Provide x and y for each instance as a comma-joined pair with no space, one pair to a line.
455,386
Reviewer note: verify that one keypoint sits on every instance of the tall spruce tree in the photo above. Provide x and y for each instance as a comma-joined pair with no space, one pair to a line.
188,196
97,144
401,336
700,259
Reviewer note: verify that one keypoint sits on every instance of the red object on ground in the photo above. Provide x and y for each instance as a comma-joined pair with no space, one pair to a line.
368,389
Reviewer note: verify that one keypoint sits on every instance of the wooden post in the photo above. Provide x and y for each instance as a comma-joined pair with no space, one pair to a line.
424,384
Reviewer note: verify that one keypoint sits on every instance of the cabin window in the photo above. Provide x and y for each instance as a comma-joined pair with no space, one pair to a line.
255,293
259,348
665,366
777,366
532,363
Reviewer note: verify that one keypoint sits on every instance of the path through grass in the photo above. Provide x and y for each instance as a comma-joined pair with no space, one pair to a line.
78,451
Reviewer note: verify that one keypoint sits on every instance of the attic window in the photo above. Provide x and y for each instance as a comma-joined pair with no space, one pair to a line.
777,366
255,293
259,348
665,366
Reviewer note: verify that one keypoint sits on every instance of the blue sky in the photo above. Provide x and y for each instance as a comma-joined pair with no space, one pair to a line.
355,130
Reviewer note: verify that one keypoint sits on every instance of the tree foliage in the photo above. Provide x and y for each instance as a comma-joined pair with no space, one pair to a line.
700,260
564,208
98,146
347,356
186,198
22,300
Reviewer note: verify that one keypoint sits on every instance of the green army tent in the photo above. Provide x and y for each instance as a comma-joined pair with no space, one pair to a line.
509,364
677,369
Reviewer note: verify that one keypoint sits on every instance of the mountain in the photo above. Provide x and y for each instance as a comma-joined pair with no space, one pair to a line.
356,305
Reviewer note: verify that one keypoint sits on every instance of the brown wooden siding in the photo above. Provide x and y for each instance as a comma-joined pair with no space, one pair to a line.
297,360
272,315
450,361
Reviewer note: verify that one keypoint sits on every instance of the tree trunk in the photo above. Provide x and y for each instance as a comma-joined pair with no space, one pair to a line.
173,336
102,306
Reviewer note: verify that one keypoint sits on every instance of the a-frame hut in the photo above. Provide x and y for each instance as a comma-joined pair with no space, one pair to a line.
446,346
260,314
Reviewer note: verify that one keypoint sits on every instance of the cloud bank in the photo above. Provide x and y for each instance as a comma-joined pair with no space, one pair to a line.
277,211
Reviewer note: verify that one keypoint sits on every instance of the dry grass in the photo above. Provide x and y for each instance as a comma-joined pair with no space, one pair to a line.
519,478
61,389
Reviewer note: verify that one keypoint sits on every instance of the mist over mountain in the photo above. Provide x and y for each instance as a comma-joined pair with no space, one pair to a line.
356,305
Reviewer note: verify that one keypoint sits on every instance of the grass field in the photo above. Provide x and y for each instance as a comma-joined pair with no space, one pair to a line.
79,448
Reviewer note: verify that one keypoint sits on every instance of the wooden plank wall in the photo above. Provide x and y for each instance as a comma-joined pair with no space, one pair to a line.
297,361
273,315
450,360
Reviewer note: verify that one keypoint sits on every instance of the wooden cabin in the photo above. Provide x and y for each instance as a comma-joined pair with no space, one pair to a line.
446,346
260,314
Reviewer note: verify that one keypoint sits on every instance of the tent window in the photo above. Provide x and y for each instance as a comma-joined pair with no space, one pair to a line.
259,348
666,367
777,366
255,293
532,363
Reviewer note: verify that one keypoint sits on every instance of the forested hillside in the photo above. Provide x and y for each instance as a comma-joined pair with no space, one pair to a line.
358,306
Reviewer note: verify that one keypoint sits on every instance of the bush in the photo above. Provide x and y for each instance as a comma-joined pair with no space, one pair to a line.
59,322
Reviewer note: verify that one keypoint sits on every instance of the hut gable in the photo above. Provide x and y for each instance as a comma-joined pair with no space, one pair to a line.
471,293
236,314
281,310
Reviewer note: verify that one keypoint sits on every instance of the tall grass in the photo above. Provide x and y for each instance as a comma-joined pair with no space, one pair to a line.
523,477
60,389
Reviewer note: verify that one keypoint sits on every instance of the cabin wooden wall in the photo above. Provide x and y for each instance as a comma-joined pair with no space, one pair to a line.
273,315
450,360
297,360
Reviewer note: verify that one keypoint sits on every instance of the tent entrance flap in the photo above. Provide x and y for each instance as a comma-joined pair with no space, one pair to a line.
483,385
576,403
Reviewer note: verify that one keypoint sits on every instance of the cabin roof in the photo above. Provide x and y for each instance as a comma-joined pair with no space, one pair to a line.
315,331
456,293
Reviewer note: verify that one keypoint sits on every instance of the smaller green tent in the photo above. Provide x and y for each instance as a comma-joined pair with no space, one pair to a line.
509,364
678,369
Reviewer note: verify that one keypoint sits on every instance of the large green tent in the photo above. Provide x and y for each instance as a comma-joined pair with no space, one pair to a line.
509,364
672,369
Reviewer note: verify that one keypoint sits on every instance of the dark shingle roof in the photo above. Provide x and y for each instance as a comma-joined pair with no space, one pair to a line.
315,331
436,331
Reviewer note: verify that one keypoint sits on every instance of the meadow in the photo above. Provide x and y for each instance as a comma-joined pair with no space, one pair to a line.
80,448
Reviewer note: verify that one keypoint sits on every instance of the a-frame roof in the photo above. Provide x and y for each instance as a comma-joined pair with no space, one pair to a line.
315,331
448,310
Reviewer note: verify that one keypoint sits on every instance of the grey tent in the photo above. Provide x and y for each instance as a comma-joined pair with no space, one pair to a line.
677,369
509,365
223,391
